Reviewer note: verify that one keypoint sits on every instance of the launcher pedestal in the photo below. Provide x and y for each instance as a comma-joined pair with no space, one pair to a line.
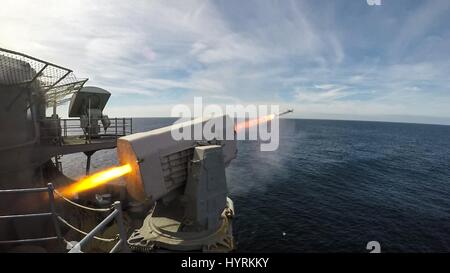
198,218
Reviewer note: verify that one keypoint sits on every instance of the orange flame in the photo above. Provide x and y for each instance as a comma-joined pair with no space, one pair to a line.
96,179
250,123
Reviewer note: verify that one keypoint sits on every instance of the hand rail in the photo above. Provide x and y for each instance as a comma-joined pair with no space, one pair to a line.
49,189
116,215
15,216
72,127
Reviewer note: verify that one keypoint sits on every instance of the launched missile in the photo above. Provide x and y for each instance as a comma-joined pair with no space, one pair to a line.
253,122
286,112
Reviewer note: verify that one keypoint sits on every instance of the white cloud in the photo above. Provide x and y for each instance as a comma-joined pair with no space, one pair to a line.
322,93
287,52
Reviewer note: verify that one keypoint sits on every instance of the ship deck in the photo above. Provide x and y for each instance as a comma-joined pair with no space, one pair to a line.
77,144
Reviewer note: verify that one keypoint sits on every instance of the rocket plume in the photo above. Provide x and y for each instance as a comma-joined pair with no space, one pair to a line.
253,122
97,179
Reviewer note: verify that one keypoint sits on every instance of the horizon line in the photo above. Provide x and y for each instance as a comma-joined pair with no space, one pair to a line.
331,119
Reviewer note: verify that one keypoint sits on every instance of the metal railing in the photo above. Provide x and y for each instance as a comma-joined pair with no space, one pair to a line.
118,127
116,215
57,129
49,189
56,82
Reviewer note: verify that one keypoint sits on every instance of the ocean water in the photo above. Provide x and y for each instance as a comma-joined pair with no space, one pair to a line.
333,186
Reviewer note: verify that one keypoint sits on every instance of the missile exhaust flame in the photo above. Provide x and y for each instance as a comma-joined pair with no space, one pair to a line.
96,180
253,122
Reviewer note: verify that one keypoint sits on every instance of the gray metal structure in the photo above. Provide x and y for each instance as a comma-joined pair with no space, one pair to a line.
182,184
186,181
88,104
31,144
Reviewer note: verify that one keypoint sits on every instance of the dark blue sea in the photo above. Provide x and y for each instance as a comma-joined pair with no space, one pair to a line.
333,186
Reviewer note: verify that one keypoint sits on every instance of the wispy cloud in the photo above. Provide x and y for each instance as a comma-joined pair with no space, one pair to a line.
323,58
323,93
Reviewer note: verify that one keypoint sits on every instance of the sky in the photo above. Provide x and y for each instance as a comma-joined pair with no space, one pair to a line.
326,59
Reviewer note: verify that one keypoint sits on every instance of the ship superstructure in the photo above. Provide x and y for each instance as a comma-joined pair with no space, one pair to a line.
173,197
32,143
